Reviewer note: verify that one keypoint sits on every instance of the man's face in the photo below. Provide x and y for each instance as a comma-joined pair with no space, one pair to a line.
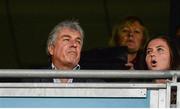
65,52
132,37
158,55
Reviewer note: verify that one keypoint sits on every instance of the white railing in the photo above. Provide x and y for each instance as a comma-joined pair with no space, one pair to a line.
160,94
90,73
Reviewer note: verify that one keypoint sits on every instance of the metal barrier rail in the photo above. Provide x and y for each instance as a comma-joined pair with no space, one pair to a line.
151,94
90,73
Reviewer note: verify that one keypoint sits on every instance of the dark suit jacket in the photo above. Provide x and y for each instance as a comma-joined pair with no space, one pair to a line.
47,80
50,80
8,79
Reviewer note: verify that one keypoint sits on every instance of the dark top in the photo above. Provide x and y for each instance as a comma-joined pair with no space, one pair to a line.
112,58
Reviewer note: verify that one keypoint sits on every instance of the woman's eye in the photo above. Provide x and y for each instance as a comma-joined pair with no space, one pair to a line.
160,50
148,52
125,31
136,31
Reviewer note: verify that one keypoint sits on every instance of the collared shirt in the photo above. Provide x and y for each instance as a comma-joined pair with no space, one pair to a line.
57,80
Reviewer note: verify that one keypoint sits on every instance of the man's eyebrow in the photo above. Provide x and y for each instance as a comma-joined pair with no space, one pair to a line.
79,38
66,36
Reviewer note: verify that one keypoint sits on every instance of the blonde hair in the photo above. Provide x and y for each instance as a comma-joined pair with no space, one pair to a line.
128,21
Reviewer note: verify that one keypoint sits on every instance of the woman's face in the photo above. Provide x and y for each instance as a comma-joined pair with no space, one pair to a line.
158,55
131,36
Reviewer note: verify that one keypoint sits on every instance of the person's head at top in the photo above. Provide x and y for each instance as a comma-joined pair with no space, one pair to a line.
160,54
64,45
130,32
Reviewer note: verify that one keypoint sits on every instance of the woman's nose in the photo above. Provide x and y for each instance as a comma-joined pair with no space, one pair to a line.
152,54
153,57
131,34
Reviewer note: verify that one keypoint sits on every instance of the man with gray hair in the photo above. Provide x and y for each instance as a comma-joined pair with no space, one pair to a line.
64,47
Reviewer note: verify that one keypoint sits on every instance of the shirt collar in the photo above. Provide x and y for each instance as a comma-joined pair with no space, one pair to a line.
77,67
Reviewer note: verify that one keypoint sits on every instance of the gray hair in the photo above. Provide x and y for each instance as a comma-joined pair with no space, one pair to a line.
71,24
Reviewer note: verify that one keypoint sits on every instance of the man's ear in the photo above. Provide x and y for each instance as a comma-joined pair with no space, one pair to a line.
51,49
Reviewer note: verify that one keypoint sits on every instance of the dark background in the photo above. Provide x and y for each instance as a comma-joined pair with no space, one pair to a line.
25,24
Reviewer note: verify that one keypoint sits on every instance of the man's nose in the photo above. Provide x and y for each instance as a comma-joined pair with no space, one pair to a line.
73,43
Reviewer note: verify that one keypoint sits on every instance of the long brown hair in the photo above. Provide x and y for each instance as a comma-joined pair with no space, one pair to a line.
172,51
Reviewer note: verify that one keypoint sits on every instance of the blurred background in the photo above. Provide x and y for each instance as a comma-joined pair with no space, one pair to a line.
25,24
